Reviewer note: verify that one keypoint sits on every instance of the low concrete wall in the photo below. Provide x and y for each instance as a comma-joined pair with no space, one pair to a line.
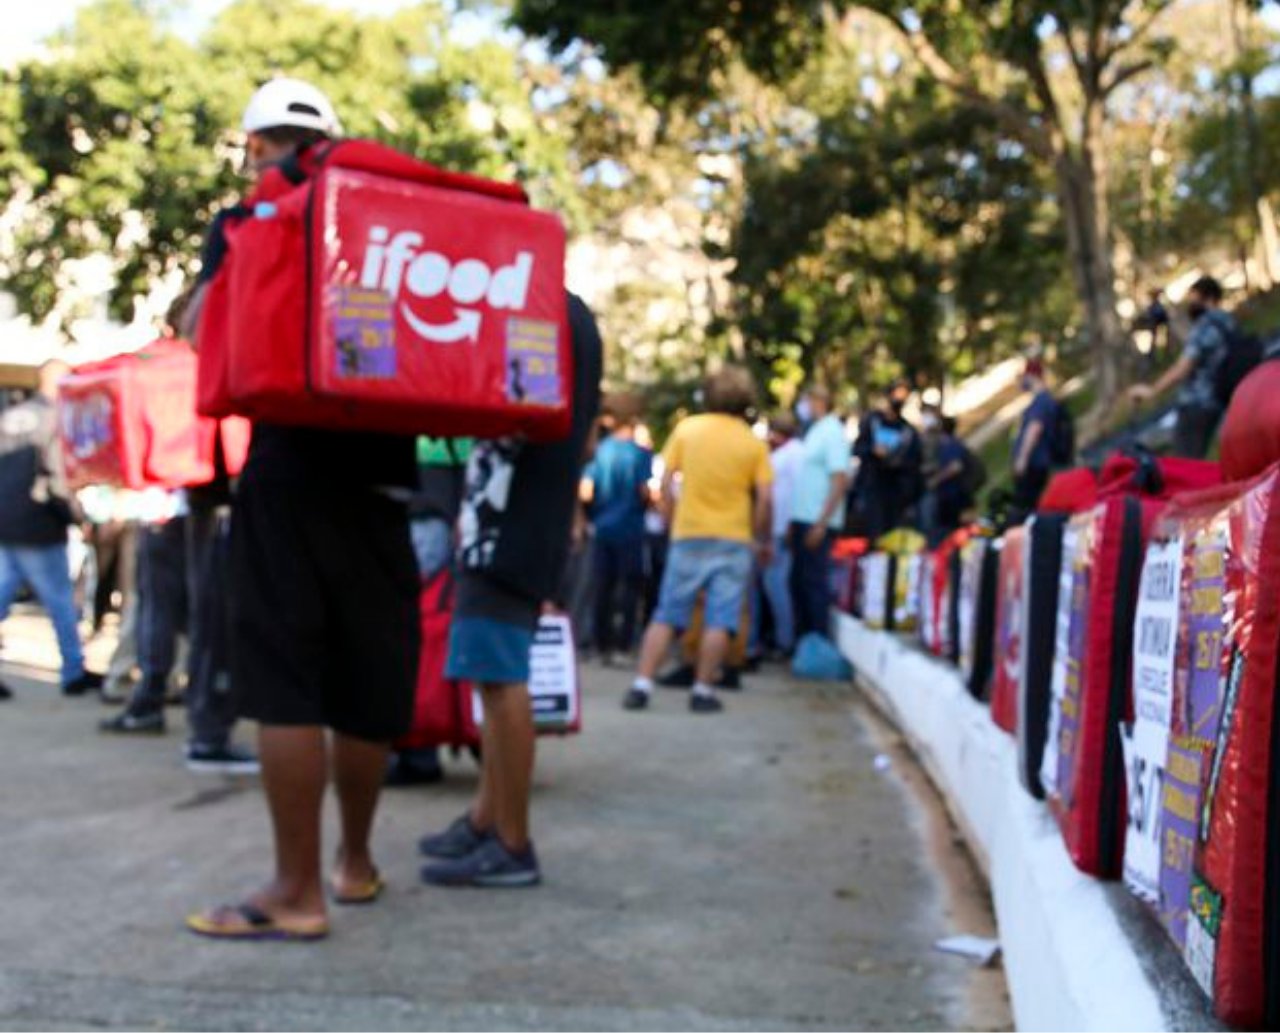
1076,952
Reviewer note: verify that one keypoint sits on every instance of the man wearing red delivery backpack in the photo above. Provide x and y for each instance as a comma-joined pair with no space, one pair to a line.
325,608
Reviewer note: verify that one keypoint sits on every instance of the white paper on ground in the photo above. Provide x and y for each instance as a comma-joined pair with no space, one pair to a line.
978,948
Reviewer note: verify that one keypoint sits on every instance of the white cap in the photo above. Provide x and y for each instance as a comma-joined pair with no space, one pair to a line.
290,102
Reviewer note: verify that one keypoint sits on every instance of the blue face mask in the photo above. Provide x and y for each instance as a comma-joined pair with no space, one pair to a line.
804,410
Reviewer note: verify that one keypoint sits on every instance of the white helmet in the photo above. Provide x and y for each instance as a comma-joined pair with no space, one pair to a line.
290,102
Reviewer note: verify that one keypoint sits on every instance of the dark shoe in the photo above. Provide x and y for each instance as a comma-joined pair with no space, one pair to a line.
701,704
405,772
129,722
5,692
490,866
88,682
221,760
635,700
731,679
679,678
457,841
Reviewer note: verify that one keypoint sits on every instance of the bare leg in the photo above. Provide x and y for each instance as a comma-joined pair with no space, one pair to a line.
482,808
654,648
711,653
293,776
359,767
508,760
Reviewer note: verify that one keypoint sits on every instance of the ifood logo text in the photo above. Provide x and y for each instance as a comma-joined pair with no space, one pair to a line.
397,263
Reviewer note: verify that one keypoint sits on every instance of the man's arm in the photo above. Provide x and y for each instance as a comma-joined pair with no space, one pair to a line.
667,503
955,468
1034,432
1175,374
190,321
835,495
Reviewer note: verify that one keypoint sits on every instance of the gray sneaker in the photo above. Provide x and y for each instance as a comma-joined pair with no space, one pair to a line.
491,866
134,722
459,840
221,760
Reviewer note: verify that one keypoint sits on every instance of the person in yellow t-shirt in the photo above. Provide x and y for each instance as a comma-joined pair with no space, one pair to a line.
721,522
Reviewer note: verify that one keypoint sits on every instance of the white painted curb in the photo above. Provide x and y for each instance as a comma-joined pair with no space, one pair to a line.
1069,962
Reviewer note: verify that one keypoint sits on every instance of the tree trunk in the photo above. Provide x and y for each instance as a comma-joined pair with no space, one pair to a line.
1082,185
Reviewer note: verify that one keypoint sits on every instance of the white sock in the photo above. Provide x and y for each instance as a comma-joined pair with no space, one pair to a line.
644,685
702,689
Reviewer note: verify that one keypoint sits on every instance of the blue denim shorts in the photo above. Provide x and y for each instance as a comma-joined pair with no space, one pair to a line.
491,633
720,568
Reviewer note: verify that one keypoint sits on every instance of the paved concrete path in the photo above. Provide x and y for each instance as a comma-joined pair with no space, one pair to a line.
748,871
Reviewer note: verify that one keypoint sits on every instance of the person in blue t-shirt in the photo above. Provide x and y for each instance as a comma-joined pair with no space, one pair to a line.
615,487
1033,450
817,512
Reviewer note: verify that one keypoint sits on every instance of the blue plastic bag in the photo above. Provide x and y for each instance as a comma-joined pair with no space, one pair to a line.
817,659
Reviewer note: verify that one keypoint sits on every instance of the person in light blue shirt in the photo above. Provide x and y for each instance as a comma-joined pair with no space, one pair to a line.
817,511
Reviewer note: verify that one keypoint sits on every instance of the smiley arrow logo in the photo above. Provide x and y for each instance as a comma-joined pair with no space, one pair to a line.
466,326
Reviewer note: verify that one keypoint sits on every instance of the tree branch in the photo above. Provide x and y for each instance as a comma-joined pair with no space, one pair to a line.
1123,74
1018,121
1139,33
1084,72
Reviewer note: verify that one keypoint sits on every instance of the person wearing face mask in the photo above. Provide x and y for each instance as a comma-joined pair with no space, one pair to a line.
325,627
1195,373
889,473
817,510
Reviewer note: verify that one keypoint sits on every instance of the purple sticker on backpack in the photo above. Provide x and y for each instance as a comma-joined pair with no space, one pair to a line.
363,333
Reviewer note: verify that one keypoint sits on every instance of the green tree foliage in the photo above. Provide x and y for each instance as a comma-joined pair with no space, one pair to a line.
1045,70
906,236
123,139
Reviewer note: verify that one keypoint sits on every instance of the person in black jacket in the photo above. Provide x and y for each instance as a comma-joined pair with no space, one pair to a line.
890,455
35,512
517,515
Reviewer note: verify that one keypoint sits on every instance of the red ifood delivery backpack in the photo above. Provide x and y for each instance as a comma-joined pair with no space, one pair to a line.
366,290
130,422
1203,751
1102,553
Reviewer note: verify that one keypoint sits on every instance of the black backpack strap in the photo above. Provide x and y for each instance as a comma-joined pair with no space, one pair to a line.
1148,478
294,171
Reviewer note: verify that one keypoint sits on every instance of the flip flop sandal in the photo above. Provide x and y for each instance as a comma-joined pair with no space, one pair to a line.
365,894
247,922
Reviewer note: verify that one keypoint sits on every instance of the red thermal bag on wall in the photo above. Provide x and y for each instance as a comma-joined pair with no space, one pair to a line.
366,290
442,710
1102,552
1006,663
1251,428
130,422
939,580
1214,811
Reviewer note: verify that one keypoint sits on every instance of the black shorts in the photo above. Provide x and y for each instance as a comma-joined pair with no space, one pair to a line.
325,625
